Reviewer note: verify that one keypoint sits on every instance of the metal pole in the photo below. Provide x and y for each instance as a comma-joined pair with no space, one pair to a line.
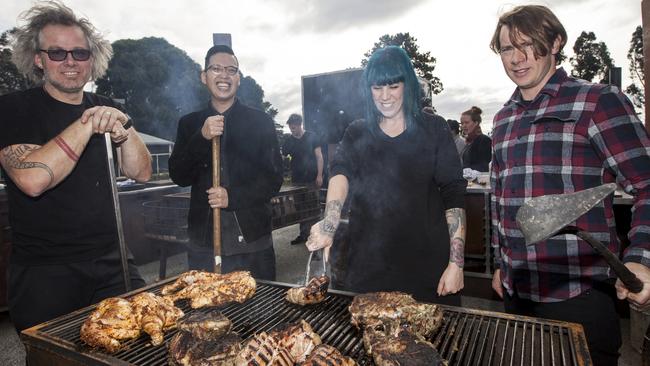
118,213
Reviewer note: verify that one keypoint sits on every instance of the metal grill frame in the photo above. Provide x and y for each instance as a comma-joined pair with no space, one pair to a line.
467,336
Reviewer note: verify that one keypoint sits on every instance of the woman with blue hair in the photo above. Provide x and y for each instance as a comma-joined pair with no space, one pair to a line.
401,168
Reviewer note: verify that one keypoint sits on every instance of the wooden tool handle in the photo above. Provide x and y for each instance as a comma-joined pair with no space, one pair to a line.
631,281
216,212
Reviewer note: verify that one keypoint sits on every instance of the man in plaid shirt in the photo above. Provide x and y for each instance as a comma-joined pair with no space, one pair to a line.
555,135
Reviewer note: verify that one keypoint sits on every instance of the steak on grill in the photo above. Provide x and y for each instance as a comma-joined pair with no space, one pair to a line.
205,326
186,350
211,289
394,311
298,338
405,348
313,293
326,355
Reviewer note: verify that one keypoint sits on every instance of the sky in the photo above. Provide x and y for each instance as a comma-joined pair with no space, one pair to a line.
279,41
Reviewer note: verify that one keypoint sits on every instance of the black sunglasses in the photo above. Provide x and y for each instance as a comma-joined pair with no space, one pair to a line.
60,54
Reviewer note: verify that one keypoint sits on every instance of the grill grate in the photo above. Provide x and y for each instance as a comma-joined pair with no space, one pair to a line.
467,337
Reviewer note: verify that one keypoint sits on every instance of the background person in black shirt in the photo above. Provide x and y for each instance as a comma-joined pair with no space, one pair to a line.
306,163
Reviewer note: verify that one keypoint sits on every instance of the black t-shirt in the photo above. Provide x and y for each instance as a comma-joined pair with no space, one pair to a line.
303,159
400,188
75,220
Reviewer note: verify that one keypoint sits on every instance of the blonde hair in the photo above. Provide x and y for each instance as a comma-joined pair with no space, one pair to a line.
26,42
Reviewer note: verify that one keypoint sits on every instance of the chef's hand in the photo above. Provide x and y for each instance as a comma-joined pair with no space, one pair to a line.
320,239
496,283
642,298
213,126
217,197
104,119
451,280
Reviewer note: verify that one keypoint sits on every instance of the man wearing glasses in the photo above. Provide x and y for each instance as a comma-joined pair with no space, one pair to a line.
251,173
65,252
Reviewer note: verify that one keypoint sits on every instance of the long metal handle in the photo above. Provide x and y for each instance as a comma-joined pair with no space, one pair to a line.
216,212
118,213
626,276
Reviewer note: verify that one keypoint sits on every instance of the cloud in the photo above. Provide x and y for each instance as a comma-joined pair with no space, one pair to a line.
341,15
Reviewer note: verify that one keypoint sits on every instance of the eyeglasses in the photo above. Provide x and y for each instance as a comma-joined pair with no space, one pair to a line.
218,69
507,51
59,54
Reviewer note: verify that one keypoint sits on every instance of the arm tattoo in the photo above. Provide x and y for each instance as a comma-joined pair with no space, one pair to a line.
332,216
456,223
13,156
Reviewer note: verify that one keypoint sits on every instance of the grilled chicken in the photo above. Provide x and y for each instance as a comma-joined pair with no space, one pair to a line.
405,348
205,326
211,289
112,322
298,338
313,293
155,314
394,311
186,350
326,355
263,350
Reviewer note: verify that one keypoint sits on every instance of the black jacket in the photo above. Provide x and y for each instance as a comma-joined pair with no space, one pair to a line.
251,172
478,154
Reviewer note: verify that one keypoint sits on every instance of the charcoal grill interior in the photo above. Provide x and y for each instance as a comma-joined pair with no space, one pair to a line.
467,337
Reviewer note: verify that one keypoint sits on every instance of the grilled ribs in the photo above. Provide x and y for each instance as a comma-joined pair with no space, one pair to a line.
205,326
405,348
112,322
313,293
326,355
186,350
211,289
262,350
394,311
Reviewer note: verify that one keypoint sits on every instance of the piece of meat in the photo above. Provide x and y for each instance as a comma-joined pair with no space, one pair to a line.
298,338
210,289
405,348
186,350
313,293
155,314
395,311
110,323
205,326
262,350
326,355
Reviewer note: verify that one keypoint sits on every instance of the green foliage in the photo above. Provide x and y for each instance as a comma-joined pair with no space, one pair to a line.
637,71
159,83
423,63
10,79
591,59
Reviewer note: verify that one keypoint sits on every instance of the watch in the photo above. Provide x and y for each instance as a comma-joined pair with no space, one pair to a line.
129,123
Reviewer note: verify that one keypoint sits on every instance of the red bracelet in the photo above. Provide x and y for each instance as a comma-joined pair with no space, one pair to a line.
66,149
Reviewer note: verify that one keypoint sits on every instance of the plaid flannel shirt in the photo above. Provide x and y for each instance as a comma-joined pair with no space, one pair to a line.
574,135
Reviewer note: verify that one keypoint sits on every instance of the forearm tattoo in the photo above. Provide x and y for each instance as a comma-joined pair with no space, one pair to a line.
332,216
13,156
456,223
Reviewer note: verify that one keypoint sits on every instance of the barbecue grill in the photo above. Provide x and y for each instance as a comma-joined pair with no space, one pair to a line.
467,337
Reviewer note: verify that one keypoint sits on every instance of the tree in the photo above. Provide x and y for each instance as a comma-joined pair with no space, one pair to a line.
423,63
252,94
10,79
591,59
637,71
158,82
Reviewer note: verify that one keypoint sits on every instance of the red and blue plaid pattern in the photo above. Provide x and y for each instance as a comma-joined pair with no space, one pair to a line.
574,135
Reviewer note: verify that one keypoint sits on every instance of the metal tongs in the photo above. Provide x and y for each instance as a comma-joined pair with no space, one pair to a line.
325,269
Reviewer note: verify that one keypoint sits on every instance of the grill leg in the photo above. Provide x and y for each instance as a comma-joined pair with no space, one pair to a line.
163,262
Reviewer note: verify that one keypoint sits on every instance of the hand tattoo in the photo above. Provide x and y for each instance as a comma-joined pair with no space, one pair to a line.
456,223
332,216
